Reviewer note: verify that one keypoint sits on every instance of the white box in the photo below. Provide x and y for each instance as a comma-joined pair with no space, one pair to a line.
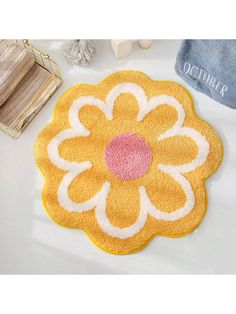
121,47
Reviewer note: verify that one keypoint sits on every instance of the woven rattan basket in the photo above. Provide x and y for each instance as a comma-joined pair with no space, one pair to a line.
32,93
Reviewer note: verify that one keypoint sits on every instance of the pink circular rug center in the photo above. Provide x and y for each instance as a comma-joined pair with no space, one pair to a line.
128,156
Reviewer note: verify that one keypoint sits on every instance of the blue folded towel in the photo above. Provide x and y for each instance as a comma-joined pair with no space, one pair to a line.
210,67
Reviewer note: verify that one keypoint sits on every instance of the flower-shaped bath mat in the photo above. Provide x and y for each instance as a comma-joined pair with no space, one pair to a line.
126,160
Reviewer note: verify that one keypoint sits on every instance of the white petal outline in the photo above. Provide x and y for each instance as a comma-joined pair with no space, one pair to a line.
202,144
71,206
129,88
178,213
160,100
81,102
74,168
176,172
116,232
77,128
57,160
99,200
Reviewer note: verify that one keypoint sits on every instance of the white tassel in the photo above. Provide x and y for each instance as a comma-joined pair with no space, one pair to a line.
79,52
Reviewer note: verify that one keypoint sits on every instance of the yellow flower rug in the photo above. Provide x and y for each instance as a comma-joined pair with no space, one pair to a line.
126,160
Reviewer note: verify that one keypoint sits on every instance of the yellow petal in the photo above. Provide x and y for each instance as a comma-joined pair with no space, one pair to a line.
126,108
85,185
159,120
164,192
123,204
177,150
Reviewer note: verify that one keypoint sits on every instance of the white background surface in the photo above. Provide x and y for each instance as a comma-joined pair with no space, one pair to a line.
30,242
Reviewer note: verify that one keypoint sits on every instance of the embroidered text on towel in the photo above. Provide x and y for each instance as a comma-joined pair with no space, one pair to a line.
201,75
